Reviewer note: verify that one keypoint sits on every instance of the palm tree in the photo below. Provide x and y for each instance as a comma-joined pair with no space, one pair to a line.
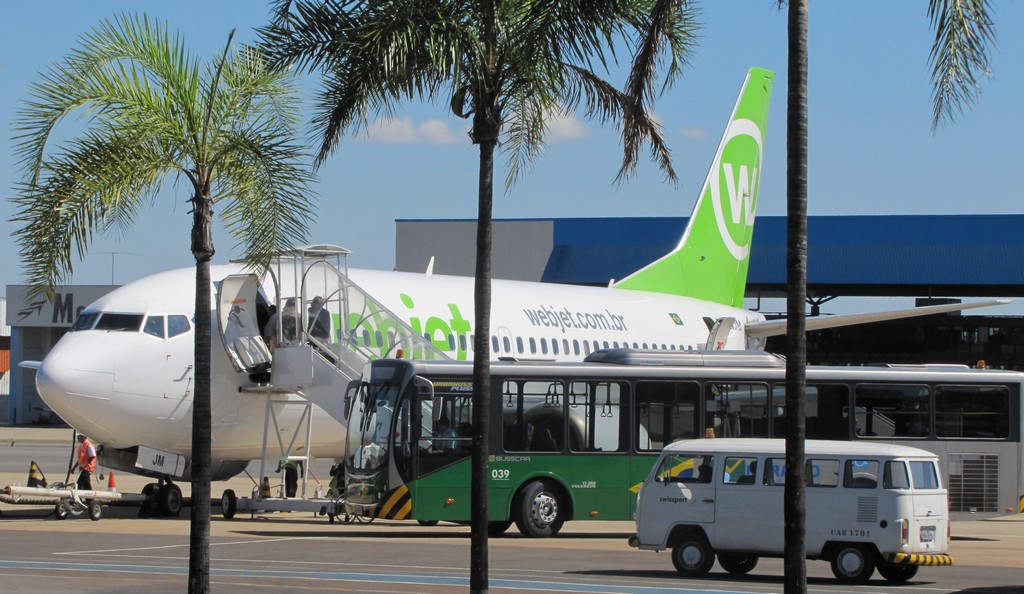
508,65
963,30
151,112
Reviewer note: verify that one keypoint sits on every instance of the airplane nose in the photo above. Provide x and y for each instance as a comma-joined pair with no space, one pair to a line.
75,380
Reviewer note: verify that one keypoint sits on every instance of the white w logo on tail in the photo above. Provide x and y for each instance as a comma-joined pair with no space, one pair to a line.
742,191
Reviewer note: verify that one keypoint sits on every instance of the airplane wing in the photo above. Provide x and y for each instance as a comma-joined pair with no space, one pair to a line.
778,327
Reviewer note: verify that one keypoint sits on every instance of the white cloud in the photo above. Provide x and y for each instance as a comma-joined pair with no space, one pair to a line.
404,131
565,126
694,133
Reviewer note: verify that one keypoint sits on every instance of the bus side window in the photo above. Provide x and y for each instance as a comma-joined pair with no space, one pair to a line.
895,476
860,474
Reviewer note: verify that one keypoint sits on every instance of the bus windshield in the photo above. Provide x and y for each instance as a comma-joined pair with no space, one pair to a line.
370,420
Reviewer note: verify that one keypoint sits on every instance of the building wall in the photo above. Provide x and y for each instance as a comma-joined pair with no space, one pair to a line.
38,323
521,248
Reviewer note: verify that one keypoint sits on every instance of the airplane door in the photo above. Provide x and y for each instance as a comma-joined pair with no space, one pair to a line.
726,334
237,302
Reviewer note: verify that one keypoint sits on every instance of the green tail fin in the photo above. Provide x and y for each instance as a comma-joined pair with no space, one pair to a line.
711,259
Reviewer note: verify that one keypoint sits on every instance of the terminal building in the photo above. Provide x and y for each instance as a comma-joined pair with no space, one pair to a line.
930,258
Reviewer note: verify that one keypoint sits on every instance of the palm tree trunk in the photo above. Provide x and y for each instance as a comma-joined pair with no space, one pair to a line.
199,534
796,271
478,562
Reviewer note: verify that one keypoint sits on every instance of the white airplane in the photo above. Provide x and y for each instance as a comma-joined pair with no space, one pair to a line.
124,374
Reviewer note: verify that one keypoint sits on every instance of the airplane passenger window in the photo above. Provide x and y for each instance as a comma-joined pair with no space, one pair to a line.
451,342
506,344
533,346
586,348
544,346
554,345
565,346
519,345
120,322
177,325
154,326
494,344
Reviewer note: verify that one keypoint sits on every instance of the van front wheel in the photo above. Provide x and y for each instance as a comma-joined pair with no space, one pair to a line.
737,564
693,557
853,564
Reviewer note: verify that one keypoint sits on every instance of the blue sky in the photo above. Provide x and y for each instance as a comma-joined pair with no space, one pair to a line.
872,150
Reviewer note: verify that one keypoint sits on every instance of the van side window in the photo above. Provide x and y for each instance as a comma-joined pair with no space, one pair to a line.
822,472
860,474
685,468
895,476
775,472
924,475
740,471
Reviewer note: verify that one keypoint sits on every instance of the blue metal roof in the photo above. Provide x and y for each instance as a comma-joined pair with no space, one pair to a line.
951,255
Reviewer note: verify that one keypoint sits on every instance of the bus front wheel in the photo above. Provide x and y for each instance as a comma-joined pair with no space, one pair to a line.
539,513
853,563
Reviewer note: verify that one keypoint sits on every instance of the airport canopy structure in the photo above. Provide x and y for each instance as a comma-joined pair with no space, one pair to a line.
863,255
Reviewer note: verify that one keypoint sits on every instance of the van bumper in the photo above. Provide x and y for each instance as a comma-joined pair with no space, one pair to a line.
928,559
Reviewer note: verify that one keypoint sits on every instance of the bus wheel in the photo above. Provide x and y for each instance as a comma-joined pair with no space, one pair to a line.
538,514
229,504
853,563
498,528
897,574
737,564
693,557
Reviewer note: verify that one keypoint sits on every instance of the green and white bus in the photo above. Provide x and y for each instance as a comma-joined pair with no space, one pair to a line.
576,440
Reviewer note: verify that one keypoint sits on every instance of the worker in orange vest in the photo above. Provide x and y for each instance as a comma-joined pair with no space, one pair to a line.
86,462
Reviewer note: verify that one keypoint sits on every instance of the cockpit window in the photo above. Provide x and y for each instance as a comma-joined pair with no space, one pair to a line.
84,321
154,326
177,325
120,322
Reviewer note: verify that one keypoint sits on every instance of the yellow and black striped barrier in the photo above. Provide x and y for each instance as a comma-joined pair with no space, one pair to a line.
397,505
927,559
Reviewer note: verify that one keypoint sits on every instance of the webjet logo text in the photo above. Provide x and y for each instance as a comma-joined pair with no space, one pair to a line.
566,319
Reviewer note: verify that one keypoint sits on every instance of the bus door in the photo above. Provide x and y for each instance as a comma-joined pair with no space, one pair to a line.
683,488
442,431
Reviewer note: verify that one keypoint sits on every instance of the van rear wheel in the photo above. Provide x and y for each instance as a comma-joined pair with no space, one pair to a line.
737,564
897,574
853,563
693,557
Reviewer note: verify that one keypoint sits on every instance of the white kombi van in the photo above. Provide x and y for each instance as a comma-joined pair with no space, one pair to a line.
868,505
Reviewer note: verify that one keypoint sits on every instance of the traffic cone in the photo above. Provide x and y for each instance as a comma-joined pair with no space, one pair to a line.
265,487
36,478
111,483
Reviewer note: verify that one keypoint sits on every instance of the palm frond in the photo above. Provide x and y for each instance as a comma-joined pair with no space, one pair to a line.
963,32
